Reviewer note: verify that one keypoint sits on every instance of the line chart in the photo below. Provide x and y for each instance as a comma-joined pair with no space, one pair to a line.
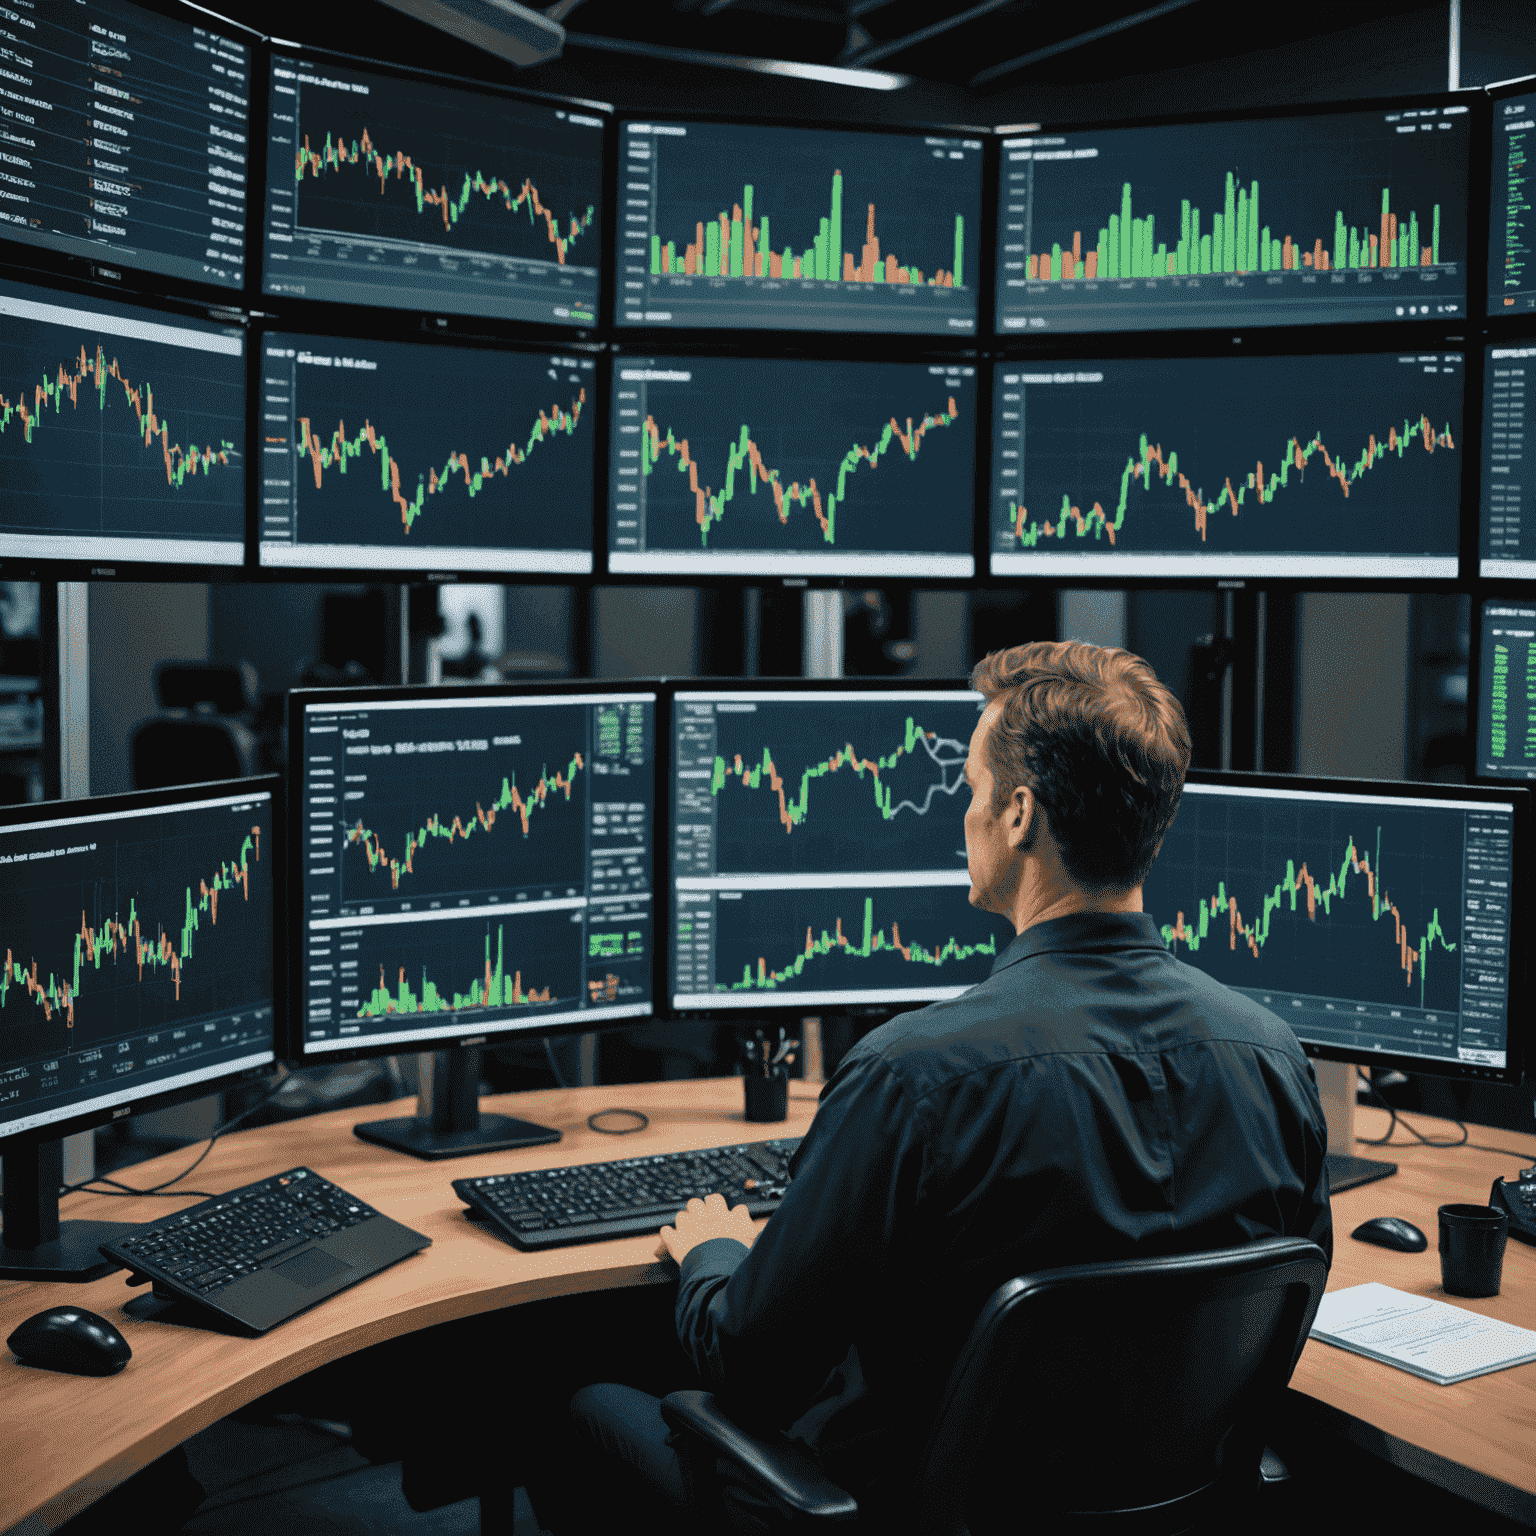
460,828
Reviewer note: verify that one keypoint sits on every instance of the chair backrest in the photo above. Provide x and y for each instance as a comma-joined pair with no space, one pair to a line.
166,752
1128,1395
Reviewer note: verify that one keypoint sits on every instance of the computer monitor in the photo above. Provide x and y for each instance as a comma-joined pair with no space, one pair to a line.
122,434
411,191
1505,725
1382,921
1341,466
1328,216
742,226
139,972
404,456
732,466
473,866
818,849
1511,218
124,140
1507,526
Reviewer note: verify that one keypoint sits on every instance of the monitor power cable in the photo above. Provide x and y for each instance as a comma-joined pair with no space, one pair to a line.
642,1120
1428,1141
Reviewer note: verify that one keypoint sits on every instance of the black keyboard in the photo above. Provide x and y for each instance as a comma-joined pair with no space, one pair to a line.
555,1207
262,1254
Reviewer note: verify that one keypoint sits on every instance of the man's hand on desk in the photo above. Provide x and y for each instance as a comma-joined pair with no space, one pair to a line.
701,1220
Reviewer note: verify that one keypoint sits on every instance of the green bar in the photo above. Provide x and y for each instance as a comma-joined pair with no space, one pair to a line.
1184,222
656,255
1101,266
788,270
1240,253
671,261
1194,240
1147,237
1413,239
880,271
764,244
1434,250
1354,249
1137,226
822,237
1218,243
1264,252
960,246
1160,260
808,263
1229,229
1055,271
1253,227
1340,242
1181,256
1114,247
1125,265
1386,245
835,248
746,206
712,248
1205,251
736,247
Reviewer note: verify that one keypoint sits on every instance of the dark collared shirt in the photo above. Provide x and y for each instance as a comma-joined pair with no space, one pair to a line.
1094,1099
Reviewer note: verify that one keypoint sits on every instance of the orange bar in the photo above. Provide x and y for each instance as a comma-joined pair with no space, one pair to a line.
1375,253
1092,266
1287,255
1319,257
666,259
890,269
850,272
1034,266
1388,229
797,266
1425,254
725,246
1077,249
757,264
1068,267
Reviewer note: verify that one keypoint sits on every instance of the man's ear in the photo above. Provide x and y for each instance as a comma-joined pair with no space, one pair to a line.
1022,818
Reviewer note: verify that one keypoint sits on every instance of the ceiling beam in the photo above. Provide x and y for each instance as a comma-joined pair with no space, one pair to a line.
923,34
1024,60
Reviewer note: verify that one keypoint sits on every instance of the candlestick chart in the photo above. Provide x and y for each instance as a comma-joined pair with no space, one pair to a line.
1335,216
1344,464
1316,898
799,228
118,425
385,448
716,459
110,931
460,200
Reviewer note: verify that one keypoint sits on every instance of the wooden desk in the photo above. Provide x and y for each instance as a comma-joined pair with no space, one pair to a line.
68,1439
1477,1439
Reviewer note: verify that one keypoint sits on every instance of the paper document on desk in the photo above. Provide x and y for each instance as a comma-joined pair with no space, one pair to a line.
1433,1339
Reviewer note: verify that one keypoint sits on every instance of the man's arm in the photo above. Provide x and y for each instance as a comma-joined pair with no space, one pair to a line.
769,1323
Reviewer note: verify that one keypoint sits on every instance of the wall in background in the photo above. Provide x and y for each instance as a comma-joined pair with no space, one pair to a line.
1352,685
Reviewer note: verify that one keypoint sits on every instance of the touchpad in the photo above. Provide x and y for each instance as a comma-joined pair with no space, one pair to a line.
311,1268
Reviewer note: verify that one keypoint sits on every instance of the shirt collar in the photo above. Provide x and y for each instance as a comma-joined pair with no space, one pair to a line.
1085,931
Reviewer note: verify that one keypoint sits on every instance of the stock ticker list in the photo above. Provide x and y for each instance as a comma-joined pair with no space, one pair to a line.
819,850
1512,219
410,194
481,865
1508,522
138,951
756,228
124,138
409,456
783,467
1328,218
1506,696
1330,466
1360,921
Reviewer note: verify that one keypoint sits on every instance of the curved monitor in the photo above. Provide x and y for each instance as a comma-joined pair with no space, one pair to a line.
139,960
471,864
1385,923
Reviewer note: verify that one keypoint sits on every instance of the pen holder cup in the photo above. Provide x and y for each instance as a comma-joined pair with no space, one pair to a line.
1472,1239
767,1097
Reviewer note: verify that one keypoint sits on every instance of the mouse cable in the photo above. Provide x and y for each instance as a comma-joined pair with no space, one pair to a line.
1477,1146
127,1190
606,1130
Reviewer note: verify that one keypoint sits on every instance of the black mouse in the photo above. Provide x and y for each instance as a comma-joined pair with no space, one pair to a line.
1392,1232
73,1340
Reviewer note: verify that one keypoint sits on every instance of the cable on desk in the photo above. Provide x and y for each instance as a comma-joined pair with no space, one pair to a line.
623,1130
1386,1141
127,1190
554,1066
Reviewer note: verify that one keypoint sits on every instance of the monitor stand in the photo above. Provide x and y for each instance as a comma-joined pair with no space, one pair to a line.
34,1243
453,1125
1336,1082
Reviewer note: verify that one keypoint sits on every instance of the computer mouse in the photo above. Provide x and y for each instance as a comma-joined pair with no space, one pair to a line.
73,1340
1392,1232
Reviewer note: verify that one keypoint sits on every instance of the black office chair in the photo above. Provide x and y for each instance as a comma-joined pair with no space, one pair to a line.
203,733
1130,1395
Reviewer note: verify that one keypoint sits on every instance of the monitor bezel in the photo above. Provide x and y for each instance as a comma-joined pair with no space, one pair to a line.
293,312
785,1011
445,570
649,338
1517,332
83,567
136,283
1268,343
1473,98
1517,999
134,800
293,1051
1495,321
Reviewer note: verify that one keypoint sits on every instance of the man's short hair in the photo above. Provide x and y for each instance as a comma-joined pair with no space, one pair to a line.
1102,744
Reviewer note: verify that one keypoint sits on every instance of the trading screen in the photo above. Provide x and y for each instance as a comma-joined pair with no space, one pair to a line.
1506,694
1508,522
740,466
122,432
1330,466
1365,921
1329,218
138,950
391,456
478,863
818,850
1512,227
405,193
124,137
758,228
